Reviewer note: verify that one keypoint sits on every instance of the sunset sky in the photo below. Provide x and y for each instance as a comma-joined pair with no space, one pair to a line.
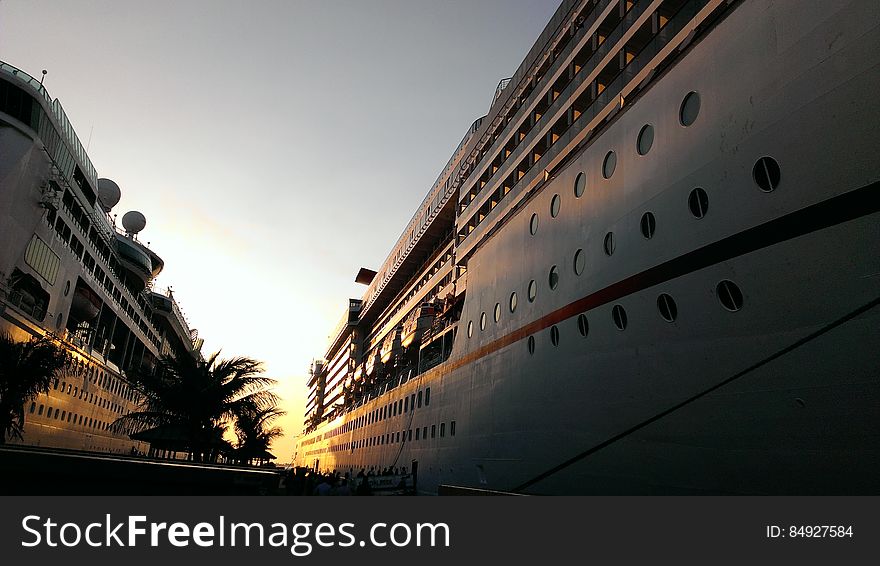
274,147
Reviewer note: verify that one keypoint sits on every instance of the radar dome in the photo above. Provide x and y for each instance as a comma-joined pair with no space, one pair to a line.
133,222
108,194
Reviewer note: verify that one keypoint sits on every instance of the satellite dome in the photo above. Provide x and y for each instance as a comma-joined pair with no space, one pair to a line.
133,222
108,193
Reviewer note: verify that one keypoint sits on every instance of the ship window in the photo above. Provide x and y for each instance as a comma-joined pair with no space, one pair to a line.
412,401
470,328
67,288
420,400
451,428
418,430
533,224
427,396
554,206
645,140
533,290
766,174
531,344
553,279
608,245
433,431
406,404
512,302
648,225
40,410
33,408
698,202
583,325
619,316
409,435
580,184
400,407
609,165
580,261
56,412
63,414
667,308
690,108
554,335
425,432
442,430
482,321
730,296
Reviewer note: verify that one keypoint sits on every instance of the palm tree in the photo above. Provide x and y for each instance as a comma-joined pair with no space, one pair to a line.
26,370
191,399
254,434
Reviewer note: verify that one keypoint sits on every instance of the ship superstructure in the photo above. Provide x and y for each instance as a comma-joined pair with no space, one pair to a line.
69,273
651,268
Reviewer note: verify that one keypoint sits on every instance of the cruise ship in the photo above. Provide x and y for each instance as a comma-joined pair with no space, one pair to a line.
68,273
653,267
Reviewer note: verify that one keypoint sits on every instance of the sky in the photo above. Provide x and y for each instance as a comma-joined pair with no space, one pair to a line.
275,147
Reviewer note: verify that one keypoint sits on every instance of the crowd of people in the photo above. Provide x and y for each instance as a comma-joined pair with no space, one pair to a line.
305,481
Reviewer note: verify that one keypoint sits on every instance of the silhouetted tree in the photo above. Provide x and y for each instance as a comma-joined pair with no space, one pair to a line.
195,398
255,433
26,370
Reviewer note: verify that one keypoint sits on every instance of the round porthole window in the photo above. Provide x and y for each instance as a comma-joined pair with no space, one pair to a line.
580,183
698,202
533,224
648,225
497,311
645,140
554,206
609,165
618,314
553,280
730,296
470,328
690,109
66,288
583,325
533,290
608,245
667,308
531,344
554,335
766,174
512,302
482,321
580,262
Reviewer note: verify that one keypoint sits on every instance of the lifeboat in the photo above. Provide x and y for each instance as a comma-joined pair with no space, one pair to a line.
86,304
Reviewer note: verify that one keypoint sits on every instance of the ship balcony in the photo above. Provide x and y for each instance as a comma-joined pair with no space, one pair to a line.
134,259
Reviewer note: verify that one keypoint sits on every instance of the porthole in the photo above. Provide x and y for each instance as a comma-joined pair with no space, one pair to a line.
497,312
470,328
512,302
554,206
553,280
66,288
531,344
554,335
580,183
730,296
59,320
583,325
609,164
690,109
533,290
482,321
645,140
619,317
609,244
667,308
580,262
766,174
648,225
698,202
533,224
